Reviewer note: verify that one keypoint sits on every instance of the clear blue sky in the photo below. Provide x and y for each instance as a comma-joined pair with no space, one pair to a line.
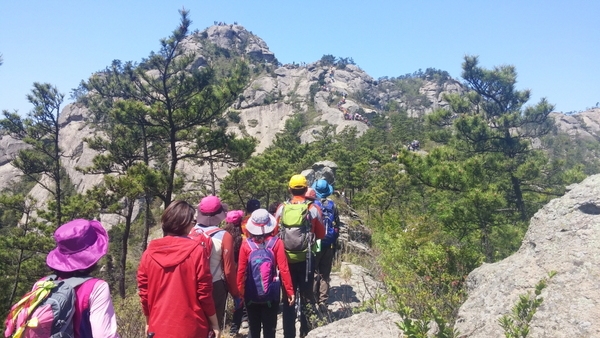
554,45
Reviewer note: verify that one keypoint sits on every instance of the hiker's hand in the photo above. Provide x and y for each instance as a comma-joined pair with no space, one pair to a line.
291,299
217,333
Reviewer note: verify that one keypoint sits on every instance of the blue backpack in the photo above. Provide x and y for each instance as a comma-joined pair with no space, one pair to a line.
328,210
262,283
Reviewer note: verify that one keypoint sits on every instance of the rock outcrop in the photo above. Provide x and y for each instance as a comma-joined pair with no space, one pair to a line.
563,236
9,149
364,324
584,125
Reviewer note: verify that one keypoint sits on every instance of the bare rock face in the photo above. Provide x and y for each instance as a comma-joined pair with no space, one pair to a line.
584,125
9,148
563,236
263,122
238,38
364,324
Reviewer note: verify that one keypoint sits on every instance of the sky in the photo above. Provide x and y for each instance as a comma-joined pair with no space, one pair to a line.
554,45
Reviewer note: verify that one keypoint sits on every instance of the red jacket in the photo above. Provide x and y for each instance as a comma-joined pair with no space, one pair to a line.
175,287
282,265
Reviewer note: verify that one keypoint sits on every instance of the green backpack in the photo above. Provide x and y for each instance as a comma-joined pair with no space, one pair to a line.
296,230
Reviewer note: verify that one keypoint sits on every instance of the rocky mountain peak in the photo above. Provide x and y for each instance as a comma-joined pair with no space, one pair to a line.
235,37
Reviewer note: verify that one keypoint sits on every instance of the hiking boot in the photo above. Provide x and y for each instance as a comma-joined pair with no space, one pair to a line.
245,324
322,308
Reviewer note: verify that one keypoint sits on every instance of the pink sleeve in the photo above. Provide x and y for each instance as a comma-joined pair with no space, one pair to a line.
102,312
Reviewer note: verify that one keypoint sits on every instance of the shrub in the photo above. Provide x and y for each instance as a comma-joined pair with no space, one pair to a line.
516,324
130,318
234,116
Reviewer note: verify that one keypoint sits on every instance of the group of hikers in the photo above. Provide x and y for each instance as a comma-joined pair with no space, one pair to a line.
262,258
347,114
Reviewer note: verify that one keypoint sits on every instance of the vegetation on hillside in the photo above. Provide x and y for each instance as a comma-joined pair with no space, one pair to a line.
435,214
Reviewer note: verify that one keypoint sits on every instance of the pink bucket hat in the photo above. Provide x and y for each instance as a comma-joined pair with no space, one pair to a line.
80,244
234,216
211,211
261,222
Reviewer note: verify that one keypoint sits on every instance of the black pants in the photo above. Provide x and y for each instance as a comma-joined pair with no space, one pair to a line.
220,299
262,315
298,272
239,315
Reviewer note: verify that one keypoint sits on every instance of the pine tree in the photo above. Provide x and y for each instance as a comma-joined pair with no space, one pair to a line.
184,103
41,131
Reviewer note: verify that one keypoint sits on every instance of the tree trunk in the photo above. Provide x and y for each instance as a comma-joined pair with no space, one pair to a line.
147,222
212,178
124,243
57,174
516,183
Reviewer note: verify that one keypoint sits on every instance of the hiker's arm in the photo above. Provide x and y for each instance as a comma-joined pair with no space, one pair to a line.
242,265
317,226
214,325
284,269
204,285
102,313
142,284
229,267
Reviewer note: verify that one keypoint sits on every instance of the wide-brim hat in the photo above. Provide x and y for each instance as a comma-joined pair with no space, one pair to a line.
261,222
322,188
211,212
80,244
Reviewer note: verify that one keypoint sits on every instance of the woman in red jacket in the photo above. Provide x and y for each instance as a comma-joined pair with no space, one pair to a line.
262,310
174,280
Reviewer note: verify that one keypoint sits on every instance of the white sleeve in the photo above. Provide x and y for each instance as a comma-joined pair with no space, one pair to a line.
102,313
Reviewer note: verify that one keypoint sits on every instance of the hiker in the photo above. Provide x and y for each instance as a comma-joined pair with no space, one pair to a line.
273,208
293,218
260,257
233,223
251,205
328,245
174,280
211,212
80,244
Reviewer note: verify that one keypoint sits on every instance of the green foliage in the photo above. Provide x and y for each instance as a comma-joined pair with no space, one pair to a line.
340,63
40,130
328,60
234,116
178,104
24,244
422,265
516,325
419,328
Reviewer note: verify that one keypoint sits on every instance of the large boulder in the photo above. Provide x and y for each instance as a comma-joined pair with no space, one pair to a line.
364,324
563,236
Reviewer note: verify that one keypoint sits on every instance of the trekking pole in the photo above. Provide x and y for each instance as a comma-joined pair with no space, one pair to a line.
225,315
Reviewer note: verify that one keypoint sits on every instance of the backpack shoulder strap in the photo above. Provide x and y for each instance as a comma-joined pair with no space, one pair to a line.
212,232
76,281
251,244
272,241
